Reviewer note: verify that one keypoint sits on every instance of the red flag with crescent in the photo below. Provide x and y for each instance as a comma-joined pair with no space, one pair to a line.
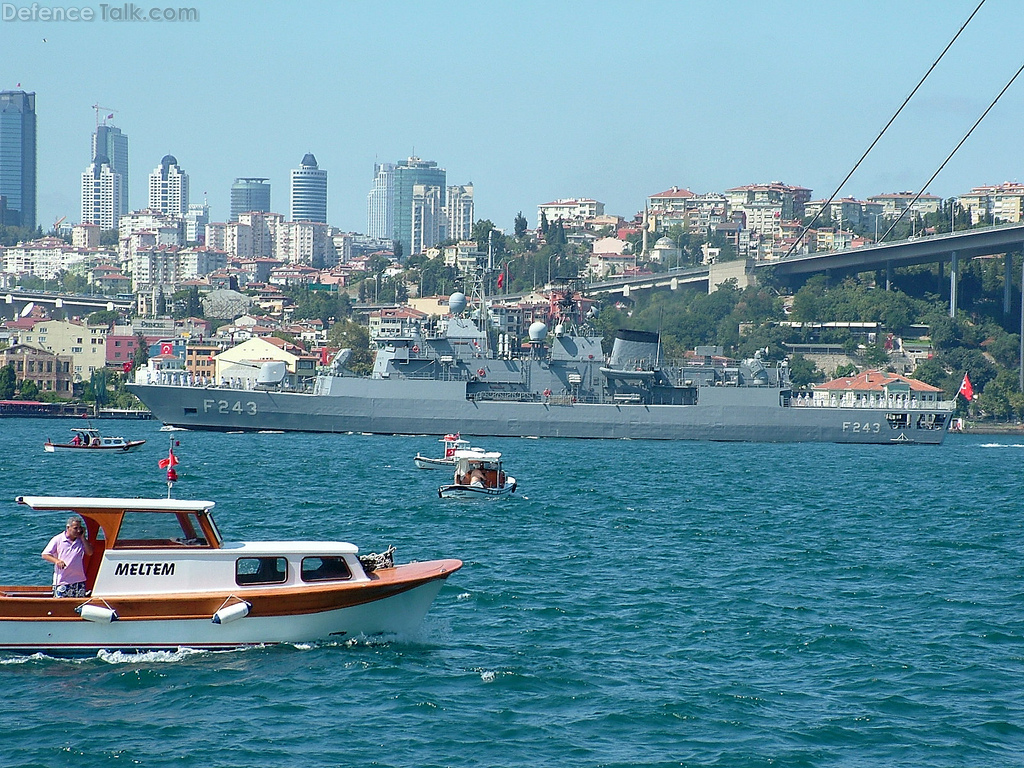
501,279
166,349
966,389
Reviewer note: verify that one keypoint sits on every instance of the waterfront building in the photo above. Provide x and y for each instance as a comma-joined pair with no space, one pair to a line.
168,187
249,194
380,202
48,371
409,174
309,191
101,194
18,158
108,141
459,212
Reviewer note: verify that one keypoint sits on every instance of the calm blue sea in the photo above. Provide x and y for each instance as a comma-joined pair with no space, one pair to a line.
636,603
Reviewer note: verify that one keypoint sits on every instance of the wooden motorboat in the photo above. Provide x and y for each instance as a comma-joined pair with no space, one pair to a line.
161,576
89,439
452,443
478,474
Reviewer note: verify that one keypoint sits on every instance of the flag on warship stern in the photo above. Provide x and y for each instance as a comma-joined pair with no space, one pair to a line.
966,389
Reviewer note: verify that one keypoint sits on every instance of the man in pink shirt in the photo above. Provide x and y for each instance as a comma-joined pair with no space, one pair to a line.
67,552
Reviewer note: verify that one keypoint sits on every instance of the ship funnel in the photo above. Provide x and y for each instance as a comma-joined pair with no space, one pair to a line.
271,373
635,350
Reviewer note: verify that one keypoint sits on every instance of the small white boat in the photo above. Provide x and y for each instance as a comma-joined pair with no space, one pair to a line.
452,443
478,474
161,576
89,439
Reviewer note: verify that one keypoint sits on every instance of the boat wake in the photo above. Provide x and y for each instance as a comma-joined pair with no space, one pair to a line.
1002,445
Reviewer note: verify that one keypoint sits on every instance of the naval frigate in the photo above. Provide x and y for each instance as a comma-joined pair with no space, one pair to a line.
442,375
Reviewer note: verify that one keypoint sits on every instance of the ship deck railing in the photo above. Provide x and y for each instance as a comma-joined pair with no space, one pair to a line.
875,404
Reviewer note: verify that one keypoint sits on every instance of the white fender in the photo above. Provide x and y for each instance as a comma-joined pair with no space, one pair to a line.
231,613
97,613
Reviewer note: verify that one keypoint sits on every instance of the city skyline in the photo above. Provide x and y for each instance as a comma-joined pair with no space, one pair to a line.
688,96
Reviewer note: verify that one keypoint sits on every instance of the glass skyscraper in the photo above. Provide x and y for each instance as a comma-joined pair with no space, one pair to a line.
18,157
249,194
309,191
109,142
407,175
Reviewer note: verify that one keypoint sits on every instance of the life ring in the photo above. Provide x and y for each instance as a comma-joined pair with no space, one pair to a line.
481,372
126,448
415,348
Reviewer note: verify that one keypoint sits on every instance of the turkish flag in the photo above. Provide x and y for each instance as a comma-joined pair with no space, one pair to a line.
170,461
166,349
501,279
966,389
126,367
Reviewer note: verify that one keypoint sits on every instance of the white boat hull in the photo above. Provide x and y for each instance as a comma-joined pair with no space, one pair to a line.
122,448
424,462
459,491
397,614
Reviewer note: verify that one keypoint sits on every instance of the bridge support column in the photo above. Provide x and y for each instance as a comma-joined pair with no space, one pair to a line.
954,269
1007,280
888,275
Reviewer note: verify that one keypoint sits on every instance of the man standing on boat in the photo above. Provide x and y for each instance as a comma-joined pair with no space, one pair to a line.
67,552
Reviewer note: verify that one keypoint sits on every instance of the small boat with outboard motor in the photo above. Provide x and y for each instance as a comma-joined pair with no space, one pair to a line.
161,576
89,439
452,443
478,474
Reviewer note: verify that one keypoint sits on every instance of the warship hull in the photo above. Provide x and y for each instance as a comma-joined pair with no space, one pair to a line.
343,404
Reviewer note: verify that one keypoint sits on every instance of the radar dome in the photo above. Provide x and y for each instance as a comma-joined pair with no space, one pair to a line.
457,303
538,331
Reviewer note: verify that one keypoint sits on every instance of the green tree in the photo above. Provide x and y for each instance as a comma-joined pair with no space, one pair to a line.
29,390
8,382
141,357
103,317
520,225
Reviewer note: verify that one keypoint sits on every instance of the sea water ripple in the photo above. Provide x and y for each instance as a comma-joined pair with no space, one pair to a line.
636,603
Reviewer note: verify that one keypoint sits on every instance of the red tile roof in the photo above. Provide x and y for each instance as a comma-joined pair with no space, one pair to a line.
874,381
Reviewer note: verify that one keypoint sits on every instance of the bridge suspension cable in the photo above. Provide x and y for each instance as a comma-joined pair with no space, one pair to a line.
892,119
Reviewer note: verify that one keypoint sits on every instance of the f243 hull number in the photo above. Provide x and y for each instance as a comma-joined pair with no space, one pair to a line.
228,407
867,427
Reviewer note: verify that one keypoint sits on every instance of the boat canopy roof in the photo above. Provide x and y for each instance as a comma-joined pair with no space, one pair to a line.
478,455
81,503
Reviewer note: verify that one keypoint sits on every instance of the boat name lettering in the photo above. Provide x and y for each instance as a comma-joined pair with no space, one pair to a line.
144,569
867,426
228,407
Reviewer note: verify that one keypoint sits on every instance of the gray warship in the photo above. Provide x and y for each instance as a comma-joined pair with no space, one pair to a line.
443,375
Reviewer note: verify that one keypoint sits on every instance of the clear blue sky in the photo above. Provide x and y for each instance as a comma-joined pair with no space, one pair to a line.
529,101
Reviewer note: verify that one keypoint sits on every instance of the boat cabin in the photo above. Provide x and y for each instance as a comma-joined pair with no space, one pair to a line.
164,546
479,468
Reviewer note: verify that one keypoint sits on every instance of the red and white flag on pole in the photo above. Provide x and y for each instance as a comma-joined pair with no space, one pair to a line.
170,461
966,389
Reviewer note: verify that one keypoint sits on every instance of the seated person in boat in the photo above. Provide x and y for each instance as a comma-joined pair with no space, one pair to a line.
76,440
476,477
67,552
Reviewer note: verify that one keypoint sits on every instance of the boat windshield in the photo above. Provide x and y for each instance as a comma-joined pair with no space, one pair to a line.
160,529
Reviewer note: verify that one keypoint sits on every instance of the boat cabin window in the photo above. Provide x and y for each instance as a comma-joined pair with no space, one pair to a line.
160,529
325,569
260,570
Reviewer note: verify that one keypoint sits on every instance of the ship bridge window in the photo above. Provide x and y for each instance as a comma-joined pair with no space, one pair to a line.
260,570
325,569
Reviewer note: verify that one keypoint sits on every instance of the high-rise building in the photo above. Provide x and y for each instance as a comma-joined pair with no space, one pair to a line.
101,194
459,212
380,202
249,194
428,224
196,219
18,157
168,188
108,141
408,174
309,191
